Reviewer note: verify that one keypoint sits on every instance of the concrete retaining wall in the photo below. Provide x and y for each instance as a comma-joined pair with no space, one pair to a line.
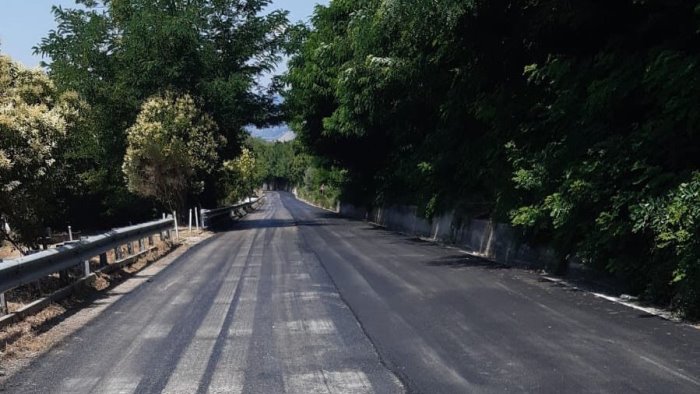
497,241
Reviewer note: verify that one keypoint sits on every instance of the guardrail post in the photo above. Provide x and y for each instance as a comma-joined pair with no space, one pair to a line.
86,268
3,305
116,254
196,219
103,260
150,240
141,245
177,232
130,248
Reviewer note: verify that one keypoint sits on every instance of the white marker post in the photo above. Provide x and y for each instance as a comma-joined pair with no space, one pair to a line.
196,219
190,222
177,231
70,233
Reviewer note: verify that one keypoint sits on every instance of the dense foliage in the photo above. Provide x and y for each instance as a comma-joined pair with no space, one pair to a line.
35,120
170,150
573,120
144,102
323,185
240,177
118,53
280,165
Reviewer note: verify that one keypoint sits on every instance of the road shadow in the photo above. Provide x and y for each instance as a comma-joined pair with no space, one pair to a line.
253,224
329,215
466,261
273,223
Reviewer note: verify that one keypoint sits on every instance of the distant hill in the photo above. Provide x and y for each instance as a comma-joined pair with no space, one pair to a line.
288,136
277,133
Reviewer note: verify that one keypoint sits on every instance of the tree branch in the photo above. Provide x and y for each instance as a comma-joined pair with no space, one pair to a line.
6,236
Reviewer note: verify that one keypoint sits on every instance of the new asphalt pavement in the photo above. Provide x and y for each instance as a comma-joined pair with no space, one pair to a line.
294,299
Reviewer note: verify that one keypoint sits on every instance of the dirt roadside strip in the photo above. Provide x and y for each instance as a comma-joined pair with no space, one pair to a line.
41,330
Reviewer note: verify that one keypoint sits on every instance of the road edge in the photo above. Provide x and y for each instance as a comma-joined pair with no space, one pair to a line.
70,325
658,312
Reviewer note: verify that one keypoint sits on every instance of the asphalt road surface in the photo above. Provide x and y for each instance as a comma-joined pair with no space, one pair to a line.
295,299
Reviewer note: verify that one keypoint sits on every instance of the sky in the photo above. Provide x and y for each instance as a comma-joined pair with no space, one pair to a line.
23,23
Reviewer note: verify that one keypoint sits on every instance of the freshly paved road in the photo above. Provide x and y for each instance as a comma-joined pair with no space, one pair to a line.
297,300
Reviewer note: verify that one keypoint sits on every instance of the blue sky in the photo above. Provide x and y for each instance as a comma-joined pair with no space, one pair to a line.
23,23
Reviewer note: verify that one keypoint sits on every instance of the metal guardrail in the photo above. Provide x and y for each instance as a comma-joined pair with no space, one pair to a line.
211,216
31,268
28,269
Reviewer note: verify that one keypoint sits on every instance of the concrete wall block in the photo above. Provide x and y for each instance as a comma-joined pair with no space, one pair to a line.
497,241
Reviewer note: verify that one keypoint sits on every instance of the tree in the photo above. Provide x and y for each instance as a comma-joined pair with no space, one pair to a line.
279,164
118,53
240,177
34,121
171,148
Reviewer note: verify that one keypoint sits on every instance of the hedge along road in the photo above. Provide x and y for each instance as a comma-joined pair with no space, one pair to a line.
294,299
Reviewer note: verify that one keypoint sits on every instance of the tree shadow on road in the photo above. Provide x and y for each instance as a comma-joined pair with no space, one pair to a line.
265,223
458,261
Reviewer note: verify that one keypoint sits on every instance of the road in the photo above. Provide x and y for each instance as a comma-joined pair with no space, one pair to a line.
295,299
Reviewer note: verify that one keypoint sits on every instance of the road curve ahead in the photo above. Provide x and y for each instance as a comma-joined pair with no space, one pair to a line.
295,299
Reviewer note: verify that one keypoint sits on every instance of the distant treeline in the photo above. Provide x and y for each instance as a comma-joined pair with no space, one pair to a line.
575,120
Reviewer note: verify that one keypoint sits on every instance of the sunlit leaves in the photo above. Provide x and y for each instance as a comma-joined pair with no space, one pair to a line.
34,120
240,177
171,147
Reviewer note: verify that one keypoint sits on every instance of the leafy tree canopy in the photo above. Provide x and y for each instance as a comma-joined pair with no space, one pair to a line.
171,148
118,53
35,120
